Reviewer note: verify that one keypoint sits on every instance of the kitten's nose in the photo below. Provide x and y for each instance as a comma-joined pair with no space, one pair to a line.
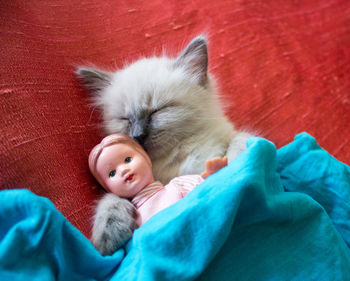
138,130
140,139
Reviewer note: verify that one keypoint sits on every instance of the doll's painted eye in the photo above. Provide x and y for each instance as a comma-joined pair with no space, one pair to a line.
127,159
112,174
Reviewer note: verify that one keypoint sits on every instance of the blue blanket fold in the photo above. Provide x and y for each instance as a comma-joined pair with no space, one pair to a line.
269,215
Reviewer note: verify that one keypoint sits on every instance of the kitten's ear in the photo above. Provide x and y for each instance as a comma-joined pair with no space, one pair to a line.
195,59
94,79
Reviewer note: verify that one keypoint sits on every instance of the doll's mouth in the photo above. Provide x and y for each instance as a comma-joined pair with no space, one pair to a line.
130,177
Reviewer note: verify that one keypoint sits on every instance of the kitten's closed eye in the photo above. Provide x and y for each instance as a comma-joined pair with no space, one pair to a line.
154,111
123,119
162,108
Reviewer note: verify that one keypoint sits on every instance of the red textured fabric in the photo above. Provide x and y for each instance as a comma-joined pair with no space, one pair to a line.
282,66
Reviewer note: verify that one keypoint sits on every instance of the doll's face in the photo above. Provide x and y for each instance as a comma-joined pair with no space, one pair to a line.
123,170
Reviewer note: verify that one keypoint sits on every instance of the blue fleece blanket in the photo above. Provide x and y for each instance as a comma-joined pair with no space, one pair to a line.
269,215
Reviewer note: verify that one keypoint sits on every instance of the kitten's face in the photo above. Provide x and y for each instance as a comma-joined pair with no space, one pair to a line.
157,101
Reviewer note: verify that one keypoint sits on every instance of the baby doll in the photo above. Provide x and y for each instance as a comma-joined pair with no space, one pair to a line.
123,168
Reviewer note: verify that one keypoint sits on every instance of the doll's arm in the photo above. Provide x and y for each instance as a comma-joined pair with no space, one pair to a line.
214,165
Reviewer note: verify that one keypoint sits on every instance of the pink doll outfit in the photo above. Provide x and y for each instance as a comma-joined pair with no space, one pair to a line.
156,197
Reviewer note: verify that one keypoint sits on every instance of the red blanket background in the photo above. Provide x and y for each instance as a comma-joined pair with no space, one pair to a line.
282,67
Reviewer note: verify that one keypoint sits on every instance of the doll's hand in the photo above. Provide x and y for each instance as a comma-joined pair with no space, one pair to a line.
214,165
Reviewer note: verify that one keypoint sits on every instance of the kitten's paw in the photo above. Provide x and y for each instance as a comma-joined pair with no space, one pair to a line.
114,223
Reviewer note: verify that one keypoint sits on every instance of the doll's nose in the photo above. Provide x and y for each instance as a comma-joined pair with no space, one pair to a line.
123,170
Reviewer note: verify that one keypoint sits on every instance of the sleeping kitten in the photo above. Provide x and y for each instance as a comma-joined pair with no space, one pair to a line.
170,107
